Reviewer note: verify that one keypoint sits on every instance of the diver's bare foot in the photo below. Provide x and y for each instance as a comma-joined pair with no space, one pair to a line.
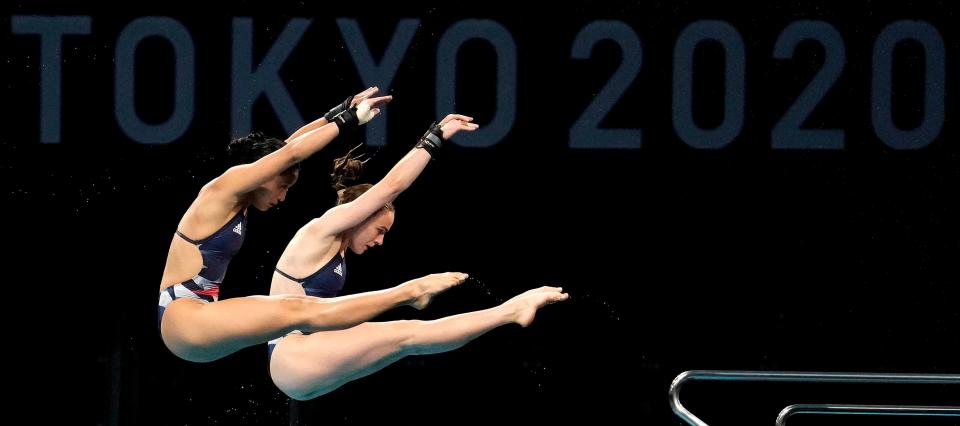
427,287
524,306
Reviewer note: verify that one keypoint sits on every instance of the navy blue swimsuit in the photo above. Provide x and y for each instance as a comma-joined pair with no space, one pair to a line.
326,282
216,252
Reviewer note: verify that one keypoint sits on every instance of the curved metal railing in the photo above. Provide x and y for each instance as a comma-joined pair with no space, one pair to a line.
807,377
867,410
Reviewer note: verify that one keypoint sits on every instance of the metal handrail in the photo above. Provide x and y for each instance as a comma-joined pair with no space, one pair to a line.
793,376
867,410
